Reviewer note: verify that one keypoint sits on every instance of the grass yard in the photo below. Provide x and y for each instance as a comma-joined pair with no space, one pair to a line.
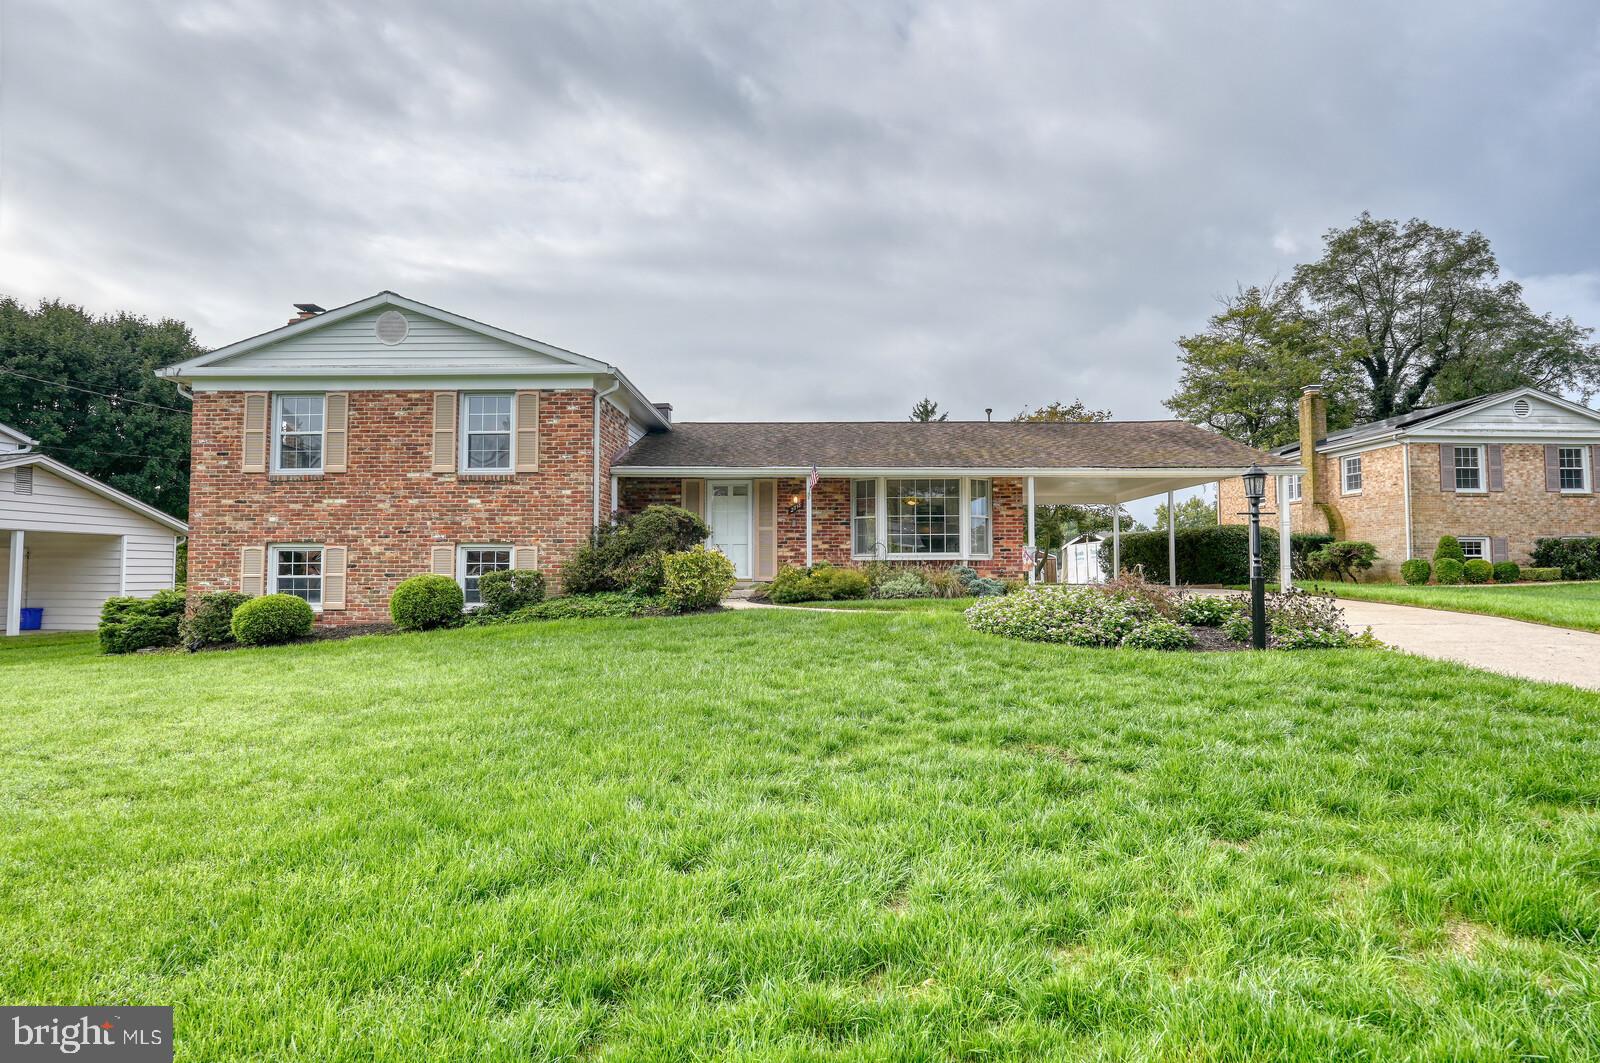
798,835
1574,605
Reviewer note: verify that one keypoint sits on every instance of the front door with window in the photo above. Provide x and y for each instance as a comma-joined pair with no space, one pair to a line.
728,514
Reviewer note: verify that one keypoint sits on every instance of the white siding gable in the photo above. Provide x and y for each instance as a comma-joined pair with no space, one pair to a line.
1499,421
59,505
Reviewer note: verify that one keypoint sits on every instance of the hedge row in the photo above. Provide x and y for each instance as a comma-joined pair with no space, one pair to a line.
1576,558
1210,555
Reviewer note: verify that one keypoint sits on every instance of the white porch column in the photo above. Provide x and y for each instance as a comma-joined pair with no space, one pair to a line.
808,521
1033,565
14,585
614,496
1285,569
1116,539
1172,544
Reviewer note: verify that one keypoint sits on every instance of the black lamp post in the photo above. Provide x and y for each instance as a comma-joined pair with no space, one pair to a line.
1255,489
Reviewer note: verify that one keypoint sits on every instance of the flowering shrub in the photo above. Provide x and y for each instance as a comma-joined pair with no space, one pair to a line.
1158,633
1206,610
1077,616
1296,620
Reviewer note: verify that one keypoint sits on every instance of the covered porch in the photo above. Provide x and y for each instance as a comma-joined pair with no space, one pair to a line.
68,575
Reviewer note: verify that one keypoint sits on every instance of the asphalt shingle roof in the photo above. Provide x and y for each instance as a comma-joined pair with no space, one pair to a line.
939,445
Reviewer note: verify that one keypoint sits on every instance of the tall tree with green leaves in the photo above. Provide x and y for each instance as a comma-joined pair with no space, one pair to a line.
927,410
84,387
1194,512
1055,524
1058,411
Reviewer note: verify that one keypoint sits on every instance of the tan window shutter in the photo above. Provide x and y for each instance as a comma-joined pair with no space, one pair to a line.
335,433
444,431
444,560
766,529
333,577
253,570
525,557
255,431
694,497
527,442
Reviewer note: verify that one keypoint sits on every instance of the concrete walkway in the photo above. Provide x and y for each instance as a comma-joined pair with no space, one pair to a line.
1511,647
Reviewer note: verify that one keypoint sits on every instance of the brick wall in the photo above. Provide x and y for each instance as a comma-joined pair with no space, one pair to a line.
389,509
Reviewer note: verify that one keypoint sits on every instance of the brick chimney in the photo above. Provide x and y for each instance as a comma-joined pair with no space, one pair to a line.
306,310
1313,427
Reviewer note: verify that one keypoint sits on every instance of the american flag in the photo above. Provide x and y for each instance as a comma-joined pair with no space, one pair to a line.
811,481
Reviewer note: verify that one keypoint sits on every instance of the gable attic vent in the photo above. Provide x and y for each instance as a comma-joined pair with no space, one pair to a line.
22,480
1521,408
392,327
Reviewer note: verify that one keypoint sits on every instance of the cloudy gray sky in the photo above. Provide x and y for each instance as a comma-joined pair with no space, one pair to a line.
800,210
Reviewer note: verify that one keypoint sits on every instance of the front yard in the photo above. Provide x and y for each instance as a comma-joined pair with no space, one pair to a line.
796,834
1574,605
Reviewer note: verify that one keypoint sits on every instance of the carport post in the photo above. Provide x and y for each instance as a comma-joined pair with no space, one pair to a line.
1285,557
1172,544
1033,561
14,585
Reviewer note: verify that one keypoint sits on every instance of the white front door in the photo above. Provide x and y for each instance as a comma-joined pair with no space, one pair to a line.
728,513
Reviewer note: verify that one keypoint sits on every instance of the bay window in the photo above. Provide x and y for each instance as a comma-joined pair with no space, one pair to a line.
921,517
980,534
924,516
864,518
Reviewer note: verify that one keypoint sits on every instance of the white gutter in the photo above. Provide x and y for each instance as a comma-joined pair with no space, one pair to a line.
598,396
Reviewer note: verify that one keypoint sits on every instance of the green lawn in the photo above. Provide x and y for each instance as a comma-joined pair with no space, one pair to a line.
802,835
892,605
1575,605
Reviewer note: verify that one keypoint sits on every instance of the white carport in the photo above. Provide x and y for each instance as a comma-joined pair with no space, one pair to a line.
69,542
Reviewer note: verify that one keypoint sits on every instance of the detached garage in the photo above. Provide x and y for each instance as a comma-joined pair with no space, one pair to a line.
69,542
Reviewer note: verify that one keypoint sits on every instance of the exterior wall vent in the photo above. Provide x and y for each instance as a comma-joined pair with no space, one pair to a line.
22,480
392,327
1521,408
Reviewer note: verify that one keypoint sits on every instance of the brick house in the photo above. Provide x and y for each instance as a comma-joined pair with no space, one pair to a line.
1499,472
351,448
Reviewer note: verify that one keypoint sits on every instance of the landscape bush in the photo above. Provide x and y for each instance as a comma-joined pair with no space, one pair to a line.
425,602
625,555
1158,633
698,578
1342,560
1211,555
821,582
1448,571
1507,572
1477,571
507,590
129,624
1296,620
905,585
613,605
1206,610
1125,613
210,620
1541,575
983,587
1416,572
1449,547
1576,558
271,619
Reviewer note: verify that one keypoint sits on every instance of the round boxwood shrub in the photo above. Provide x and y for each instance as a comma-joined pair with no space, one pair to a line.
210,620
507,590
1477,571
1507,572
424,602
1449,546
271,619
1448,571
1416,572
696,579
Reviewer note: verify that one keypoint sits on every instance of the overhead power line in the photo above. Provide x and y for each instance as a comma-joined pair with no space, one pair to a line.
90,391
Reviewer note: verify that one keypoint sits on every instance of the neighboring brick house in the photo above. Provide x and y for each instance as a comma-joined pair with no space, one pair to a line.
352,448
1498,472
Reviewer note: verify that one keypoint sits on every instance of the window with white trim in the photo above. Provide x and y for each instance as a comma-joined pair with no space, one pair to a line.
864,518
1469,469
297,424
1474,547
297,570
980,533
924,516
1350,470
486,431
474,562
1572,463
1294,488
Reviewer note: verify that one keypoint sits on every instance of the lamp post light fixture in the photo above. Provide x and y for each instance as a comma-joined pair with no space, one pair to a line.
1255,489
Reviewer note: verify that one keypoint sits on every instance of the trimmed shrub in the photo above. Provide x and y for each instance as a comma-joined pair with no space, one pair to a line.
1342,560
210,620
965,575
1211,555
1477,571
625,555
1206,610
507,590
842,584
271,619
905,585
1449,546
1576,558
821,582
699,579
1416,572
1507,572
1448,571
1296,620
1120,615
424,602
612,605
1541,575
986,588
129,624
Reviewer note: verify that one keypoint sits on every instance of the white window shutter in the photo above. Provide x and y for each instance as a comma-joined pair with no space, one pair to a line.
527,442
335,433
444,431
525,557
333,565
444,560
255,431
253,570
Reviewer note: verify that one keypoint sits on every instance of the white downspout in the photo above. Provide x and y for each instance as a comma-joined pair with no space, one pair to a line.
1405,481
599,397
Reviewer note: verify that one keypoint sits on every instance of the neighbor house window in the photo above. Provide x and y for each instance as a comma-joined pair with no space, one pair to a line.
1352,475
924,516
486,432
297,422
475,561
1473,546
981,536
1573,463
1294,488
1469,468
864,518
297,570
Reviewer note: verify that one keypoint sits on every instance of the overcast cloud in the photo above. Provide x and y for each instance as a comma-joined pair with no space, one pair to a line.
794,210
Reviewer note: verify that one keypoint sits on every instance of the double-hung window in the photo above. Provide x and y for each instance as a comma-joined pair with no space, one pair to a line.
297,570
980,533
486,431
1469,468
864,518
1294,488
1573,466
298,422
1474,547
475,561
1351,471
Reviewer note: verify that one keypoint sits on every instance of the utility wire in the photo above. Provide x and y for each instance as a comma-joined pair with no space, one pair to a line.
91,391
107,453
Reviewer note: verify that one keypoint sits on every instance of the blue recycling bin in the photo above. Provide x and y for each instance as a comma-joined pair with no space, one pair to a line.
32,619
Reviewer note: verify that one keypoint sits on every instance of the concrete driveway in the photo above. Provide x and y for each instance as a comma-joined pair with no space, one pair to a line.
1511,647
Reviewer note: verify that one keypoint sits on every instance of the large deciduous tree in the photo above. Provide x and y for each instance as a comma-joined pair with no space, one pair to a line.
1055,524
84,387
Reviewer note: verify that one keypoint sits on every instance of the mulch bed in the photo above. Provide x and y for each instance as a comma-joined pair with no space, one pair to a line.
1212,640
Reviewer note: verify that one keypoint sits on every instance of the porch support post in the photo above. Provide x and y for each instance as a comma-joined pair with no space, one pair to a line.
1033,563
808,521
1116,539
614,495
1285,569
14,585
1172,544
